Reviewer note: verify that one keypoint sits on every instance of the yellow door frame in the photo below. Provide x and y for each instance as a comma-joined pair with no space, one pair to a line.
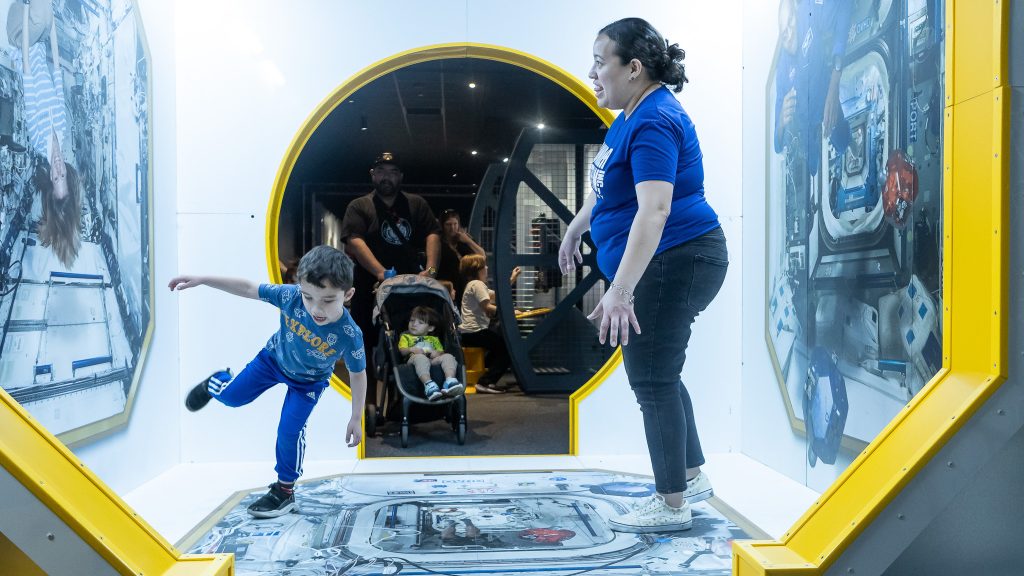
386,66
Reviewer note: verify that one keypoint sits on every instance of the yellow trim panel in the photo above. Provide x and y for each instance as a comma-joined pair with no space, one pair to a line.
49,470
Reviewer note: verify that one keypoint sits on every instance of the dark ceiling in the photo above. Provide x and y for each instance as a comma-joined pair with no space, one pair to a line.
432,120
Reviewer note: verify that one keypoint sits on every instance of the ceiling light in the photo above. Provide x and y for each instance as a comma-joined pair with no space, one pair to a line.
472,84
473,152
362,125
504,160
454,175
540,126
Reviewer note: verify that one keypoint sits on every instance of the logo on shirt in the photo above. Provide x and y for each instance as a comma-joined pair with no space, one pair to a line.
805,46
321,349
393,236
597,170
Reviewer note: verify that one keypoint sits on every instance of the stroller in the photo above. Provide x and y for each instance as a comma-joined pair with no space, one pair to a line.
402,390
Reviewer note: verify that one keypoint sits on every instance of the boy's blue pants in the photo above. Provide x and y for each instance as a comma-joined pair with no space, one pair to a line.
257,377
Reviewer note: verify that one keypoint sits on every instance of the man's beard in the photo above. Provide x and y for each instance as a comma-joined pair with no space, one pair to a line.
386,188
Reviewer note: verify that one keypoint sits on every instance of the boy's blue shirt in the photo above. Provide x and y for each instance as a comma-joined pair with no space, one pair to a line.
307,352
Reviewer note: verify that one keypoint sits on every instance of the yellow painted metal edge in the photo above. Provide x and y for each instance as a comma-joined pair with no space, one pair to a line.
49,470
578,396
973,369
380,68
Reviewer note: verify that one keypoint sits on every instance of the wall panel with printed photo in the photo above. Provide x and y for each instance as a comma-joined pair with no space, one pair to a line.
75,194
854,209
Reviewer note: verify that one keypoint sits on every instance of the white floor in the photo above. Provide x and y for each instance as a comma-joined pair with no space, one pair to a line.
175,502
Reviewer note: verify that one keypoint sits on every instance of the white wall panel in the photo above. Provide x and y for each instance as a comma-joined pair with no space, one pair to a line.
249,75
150,443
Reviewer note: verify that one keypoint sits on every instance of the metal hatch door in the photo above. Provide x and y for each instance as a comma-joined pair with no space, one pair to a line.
520,216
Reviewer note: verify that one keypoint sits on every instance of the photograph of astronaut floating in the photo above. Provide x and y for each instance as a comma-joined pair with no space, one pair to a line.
75,253
854,213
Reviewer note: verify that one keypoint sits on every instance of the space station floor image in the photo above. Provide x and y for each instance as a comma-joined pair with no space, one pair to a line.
502,523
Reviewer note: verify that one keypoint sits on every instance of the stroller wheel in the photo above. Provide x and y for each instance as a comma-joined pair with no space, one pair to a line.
371,421
460,433
405,435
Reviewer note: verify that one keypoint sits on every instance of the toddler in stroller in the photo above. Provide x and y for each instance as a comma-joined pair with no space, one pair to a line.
404,396
423,349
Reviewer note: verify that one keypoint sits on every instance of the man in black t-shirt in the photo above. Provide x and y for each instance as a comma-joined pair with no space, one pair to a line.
384,229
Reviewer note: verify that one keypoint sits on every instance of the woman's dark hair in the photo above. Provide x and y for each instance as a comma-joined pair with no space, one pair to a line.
448,214
636,38
61,225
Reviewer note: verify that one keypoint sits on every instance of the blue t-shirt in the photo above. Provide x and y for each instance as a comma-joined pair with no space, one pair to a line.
307,352
657,142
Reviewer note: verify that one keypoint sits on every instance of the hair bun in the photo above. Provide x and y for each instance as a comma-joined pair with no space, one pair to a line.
674,52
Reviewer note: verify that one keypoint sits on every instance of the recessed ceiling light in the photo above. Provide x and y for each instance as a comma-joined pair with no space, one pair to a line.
472,84
473,152
540,125
454,175
504,160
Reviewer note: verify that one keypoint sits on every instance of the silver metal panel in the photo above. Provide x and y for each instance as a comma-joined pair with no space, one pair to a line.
43,537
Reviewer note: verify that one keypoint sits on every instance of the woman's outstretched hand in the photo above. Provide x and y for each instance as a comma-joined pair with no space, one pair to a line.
616,314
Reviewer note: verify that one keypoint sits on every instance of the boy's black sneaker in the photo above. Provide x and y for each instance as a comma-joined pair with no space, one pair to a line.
199,396
273,504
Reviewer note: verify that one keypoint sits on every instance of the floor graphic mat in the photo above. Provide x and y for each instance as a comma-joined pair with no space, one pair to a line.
499,524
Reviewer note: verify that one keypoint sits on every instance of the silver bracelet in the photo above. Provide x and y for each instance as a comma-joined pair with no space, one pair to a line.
623,292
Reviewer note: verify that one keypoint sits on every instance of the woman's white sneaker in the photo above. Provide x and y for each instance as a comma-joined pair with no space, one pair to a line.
698,489
653,515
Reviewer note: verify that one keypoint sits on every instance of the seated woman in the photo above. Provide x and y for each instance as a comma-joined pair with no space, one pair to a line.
478,309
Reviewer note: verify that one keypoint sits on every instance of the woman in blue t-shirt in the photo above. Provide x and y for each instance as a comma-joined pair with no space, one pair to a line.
661,246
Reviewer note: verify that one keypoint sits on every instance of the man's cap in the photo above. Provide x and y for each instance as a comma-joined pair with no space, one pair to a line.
385,158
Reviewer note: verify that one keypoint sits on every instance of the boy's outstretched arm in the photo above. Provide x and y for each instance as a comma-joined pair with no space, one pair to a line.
237,286
357,384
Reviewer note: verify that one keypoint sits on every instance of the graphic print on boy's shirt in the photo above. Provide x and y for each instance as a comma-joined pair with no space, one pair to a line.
309,353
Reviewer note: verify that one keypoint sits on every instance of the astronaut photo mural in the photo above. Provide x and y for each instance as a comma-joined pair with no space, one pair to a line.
854,213
75,230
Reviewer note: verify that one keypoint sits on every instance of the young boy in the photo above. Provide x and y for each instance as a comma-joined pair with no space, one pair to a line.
424,349
316,331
